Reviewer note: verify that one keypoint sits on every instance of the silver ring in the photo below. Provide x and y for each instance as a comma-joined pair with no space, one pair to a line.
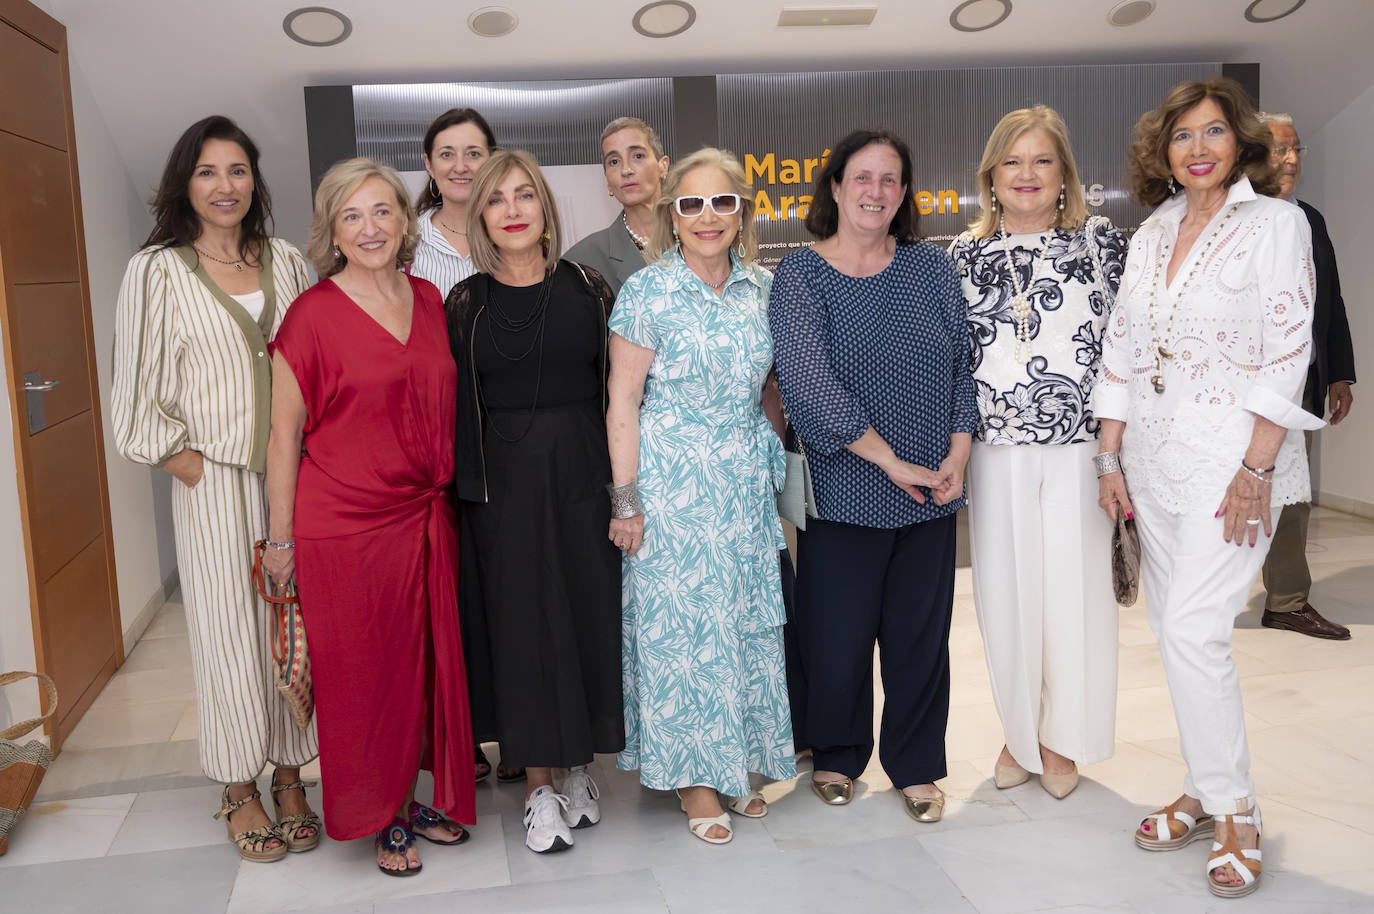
1252,522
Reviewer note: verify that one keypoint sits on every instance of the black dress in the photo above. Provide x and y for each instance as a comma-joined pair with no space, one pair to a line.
539,579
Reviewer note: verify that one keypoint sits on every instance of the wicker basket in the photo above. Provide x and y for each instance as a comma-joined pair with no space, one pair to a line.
22,766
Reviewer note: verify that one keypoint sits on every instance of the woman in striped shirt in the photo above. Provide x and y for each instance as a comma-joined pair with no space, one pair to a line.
456,145
191,394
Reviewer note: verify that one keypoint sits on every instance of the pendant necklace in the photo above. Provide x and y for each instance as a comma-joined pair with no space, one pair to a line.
1020,302
236,264
1156,343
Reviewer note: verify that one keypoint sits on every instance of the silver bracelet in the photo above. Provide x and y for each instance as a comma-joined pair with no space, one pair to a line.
287,545
1107,463
1265,476
625,500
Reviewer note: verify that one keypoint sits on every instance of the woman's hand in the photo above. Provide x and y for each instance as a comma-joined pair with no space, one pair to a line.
627,533
280,566
1244,508
907,476
186,465
1111,495
951,481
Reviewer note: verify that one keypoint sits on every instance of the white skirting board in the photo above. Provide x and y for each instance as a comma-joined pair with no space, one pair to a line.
149,610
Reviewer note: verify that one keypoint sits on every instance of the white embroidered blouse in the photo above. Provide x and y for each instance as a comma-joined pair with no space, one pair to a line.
1240,342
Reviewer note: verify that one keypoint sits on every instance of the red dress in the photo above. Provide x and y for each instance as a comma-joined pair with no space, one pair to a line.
377,556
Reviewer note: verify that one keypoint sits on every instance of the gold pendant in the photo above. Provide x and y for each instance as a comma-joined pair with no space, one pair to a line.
1164,353
238,267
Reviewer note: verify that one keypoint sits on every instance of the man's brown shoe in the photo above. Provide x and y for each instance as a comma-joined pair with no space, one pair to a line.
1306,621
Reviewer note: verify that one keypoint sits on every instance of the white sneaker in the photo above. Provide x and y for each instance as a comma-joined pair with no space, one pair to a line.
582,809
545,830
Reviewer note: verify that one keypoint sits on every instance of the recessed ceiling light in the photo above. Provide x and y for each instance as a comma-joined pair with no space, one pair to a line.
316,26
978,15
846,15
493,22
1130,12
664,19
1268,10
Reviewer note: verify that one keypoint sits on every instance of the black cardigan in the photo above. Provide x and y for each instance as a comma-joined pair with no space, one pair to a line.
464,305
1330,329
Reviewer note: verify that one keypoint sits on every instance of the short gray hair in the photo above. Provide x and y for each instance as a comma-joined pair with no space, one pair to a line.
635,123
1276,117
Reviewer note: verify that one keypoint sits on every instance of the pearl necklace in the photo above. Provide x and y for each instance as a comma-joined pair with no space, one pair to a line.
640,241
236,264
1157,378
1020,302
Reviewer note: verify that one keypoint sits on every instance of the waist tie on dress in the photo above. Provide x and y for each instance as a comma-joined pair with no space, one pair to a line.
759,554
449,740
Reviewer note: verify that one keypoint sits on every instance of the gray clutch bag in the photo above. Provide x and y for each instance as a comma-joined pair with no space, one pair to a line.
797,500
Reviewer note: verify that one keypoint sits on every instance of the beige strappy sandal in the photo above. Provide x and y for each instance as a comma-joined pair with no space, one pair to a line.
252,844
1247,862
1166,836
291,826
702,827
741,804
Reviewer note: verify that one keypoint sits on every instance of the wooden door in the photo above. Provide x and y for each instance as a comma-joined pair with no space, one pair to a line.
50,362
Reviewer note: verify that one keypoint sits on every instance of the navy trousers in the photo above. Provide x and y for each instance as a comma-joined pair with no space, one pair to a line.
857,585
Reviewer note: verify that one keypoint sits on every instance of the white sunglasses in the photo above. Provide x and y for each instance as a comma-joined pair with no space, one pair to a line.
695,204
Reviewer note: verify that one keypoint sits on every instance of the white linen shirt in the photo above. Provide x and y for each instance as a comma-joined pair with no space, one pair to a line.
437,260
1241,335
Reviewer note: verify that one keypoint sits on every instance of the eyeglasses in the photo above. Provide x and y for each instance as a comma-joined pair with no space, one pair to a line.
1281,152
695,205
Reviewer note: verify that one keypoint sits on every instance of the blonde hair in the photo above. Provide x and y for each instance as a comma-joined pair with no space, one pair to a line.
1010,129
339,184
485,255
662,241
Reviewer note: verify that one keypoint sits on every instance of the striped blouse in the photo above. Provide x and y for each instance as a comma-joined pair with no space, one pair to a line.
190,365
437,260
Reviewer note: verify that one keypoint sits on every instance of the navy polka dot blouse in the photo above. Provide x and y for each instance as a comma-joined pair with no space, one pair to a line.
888,351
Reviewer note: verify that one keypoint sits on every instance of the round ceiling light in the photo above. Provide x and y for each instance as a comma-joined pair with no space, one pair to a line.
1262,11
1130,12
317,26
664,19
978,15
493,22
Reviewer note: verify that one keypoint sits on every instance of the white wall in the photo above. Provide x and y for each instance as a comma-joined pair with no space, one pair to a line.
1336,179
116,220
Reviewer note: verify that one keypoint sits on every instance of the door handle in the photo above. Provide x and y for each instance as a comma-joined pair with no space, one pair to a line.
42,386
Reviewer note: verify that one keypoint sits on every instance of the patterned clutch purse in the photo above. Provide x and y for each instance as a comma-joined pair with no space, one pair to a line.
1125,560
290,658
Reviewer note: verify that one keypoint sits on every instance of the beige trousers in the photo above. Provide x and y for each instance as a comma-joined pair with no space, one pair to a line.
244,721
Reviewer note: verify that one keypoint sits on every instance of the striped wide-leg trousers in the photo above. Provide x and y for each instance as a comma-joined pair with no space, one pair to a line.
244,721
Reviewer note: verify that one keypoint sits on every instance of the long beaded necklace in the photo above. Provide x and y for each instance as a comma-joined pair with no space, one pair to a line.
499,319
1165,252
640,241
1020,302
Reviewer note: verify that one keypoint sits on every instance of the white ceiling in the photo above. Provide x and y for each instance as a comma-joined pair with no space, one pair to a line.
154,66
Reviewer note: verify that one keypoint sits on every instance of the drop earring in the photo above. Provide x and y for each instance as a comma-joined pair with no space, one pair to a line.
336,252
1173,188
739,248
1061,200
677,244
993,193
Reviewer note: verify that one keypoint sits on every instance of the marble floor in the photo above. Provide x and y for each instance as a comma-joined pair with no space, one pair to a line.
123,821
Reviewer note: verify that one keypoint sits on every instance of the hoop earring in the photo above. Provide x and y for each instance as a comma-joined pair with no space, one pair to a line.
739,248
433,190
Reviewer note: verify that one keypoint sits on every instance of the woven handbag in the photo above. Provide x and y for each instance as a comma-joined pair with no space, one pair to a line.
22,766
290,657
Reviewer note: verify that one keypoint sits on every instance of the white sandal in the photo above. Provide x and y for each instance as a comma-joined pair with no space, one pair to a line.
1245,861
1164,838
741,805
701,827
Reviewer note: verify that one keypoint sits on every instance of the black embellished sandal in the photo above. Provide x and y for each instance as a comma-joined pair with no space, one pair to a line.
292,826
397,838
422,816
252,844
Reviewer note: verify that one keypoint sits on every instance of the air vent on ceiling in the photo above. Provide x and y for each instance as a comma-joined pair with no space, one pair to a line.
845,15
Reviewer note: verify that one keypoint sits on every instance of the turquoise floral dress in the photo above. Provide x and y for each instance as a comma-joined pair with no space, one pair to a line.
705,687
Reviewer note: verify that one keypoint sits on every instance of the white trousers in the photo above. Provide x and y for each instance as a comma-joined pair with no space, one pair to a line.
1195,584
1042,587
244,721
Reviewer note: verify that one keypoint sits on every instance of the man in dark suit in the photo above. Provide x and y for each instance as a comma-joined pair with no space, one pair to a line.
1287,579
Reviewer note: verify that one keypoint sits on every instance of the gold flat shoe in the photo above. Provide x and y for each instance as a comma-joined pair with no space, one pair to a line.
834,793
924,809
1005,776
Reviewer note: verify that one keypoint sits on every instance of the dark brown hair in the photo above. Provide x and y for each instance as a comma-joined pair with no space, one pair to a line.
1148,168
430,197
175,220
823,219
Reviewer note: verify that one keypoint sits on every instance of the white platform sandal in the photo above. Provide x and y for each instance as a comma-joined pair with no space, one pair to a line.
701,827
1245,861
741,805
1165,836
